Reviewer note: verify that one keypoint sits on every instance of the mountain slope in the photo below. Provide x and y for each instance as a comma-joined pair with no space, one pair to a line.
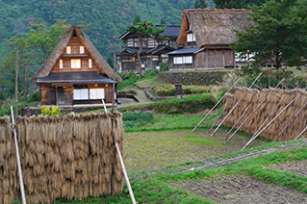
104,20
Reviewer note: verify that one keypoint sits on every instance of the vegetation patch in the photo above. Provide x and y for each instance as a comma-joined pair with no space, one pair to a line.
170,90
136,119
187,104
298,167
241,190
162,122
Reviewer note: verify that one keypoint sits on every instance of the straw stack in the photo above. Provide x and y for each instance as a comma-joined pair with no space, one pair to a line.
263,106
70,157
8,165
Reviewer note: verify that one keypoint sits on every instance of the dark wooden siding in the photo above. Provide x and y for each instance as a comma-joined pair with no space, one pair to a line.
219,58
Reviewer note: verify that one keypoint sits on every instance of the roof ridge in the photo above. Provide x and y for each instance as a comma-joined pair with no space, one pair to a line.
215,10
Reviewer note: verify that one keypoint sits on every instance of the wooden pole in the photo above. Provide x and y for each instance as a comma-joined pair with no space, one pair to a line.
246,119
215,106
290,122
301,134
122,165
221,123
263,129
21,184
125,174
104,106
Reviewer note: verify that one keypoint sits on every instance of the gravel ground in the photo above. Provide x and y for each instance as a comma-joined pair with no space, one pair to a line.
243,190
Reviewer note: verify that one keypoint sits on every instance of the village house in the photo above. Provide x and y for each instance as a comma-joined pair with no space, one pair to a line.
206,37
75,74
154,51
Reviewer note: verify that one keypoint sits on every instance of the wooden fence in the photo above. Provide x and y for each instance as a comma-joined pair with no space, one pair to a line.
261,106
69,157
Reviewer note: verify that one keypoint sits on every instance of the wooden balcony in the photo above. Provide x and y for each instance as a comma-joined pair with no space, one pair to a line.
75,55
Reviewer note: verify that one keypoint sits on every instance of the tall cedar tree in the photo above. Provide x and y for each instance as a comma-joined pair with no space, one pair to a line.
237,3
200,4
279,33
145,29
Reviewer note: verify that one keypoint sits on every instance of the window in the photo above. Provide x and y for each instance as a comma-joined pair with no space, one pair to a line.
90,63
68,50
81,94
61,64
178,60
97,93
75,63
191,37
151,43
188,60
82,51
183,60
130,42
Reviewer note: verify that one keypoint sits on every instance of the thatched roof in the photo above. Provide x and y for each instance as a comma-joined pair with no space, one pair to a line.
214,26
103,66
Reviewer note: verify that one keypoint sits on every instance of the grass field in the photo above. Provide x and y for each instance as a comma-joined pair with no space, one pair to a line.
156,150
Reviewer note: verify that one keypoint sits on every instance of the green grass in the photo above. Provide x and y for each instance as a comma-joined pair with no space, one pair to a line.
131,79
146,191
162,122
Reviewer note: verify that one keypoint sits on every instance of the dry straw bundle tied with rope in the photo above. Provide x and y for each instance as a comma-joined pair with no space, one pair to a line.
263,106
71,156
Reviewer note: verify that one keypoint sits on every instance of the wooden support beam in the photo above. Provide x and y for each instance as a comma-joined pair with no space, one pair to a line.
268,125
301,133
221,123
21,183
205,115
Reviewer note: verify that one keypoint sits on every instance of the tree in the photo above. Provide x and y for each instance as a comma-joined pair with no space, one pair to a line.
144,29
30,50
279,33
237,3
200,4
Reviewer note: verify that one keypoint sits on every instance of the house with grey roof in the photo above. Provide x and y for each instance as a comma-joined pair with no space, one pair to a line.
154,50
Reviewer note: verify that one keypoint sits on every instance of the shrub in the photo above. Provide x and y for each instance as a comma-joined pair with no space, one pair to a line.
271,77
50,110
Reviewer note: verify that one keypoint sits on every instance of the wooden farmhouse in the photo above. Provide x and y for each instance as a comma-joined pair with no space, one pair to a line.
205,38
76,74
154,51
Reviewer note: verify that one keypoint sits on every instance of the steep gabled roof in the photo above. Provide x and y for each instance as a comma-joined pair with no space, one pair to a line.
103,66
170,31
214,26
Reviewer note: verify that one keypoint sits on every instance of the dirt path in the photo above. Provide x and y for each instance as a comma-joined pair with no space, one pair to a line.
243,190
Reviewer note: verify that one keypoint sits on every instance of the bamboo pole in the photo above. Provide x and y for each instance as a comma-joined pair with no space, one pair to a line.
215,106
21,183
221,123
245,120
263,129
